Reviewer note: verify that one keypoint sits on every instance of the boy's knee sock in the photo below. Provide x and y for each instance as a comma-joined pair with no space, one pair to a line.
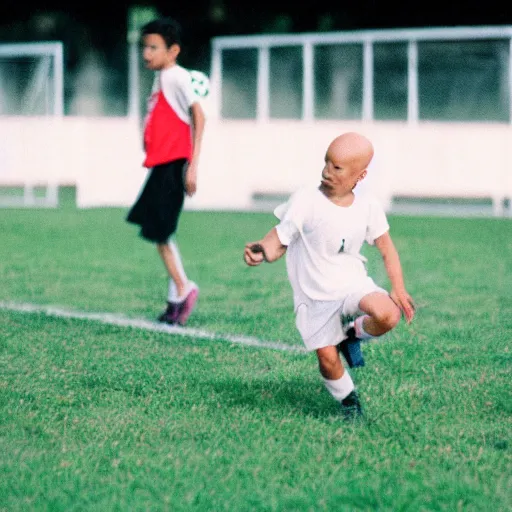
359,329
340,388
172,293
177,257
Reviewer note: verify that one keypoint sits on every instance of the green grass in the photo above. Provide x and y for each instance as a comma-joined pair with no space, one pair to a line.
98,417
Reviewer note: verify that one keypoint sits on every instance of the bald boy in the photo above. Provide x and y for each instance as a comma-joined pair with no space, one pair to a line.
322,230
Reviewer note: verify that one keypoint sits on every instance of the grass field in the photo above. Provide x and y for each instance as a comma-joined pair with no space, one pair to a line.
103,417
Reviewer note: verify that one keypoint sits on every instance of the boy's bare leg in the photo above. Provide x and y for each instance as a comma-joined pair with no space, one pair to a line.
338,382
329,363
172,267
382,314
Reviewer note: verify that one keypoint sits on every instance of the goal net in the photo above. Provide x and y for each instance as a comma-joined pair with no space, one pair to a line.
31,85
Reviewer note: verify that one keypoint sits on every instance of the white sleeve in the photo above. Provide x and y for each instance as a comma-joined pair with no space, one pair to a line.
377,222
178,91
291,216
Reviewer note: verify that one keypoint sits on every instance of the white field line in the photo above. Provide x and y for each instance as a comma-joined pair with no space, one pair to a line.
140,323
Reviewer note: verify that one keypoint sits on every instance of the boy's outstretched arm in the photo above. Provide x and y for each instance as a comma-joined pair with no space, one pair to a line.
268,249
394,270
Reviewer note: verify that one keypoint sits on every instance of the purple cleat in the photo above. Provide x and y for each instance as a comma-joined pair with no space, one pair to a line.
170,315
187,306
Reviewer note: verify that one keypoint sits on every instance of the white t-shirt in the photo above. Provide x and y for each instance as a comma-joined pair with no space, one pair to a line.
324,241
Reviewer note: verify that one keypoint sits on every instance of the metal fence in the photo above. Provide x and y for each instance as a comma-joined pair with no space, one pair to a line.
441,74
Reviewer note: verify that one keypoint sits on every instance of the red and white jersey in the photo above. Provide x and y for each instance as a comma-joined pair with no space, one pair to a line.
167,127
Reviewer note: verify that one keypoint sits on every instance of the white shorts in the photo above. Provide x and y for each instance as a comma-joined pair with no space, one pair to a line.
320,322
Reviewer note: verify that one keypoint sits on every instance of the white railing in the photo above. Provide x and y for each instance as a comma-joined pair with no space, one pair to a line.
310,41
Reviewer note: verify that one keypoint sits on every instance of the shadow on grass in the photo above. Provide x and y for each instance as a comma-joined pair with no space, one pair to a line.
282,398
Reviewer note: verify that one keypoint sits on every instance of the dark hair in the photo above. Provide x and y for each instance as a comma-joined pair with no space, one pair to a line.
168,28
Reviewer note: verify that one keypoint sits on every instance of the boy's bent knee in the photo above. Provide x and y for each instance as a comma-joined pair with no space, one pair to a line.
390,317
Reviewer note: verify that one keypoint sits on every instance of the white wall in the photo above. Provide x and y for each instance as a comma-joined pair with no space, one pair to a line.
103,157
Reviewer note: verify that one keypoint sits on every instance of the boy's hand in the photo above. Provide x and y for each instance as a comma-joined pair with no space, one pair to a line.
404,301
254,254
191,180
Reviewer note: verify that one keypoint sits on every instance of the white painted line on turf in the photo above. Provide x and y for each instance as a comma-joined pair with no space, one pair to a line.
140,323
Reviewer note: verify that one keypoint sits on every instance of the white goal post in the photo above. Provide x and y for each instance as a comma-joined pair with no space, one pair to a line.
31,84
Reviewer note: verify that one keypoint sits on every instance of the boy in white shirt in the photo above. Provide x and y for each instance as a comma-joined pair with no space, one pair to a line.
322,230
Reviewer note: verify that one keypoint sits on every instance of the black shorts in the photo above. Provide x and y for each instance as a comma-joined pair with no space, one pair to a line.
158,207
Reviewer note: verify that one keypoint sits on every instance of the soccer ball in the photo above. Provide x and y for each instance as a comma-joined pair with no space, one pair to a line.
200,83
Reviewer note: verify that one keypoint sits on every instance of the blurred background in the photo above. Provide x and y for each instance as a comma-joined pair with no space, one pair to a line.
95,35
429,83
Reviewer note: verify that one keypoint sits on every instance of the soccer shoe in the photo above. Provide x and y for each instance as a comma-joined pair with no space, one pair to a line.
170,315
351,407
350,348
187,306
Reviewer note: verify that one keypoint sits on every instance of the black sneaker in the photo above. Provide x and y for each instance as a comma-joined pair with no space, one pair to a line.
350,348
351,407
170,315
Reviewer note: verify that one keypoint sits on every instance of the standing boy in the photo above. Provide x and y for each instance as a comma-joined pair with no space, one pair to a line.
322,230
172,141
